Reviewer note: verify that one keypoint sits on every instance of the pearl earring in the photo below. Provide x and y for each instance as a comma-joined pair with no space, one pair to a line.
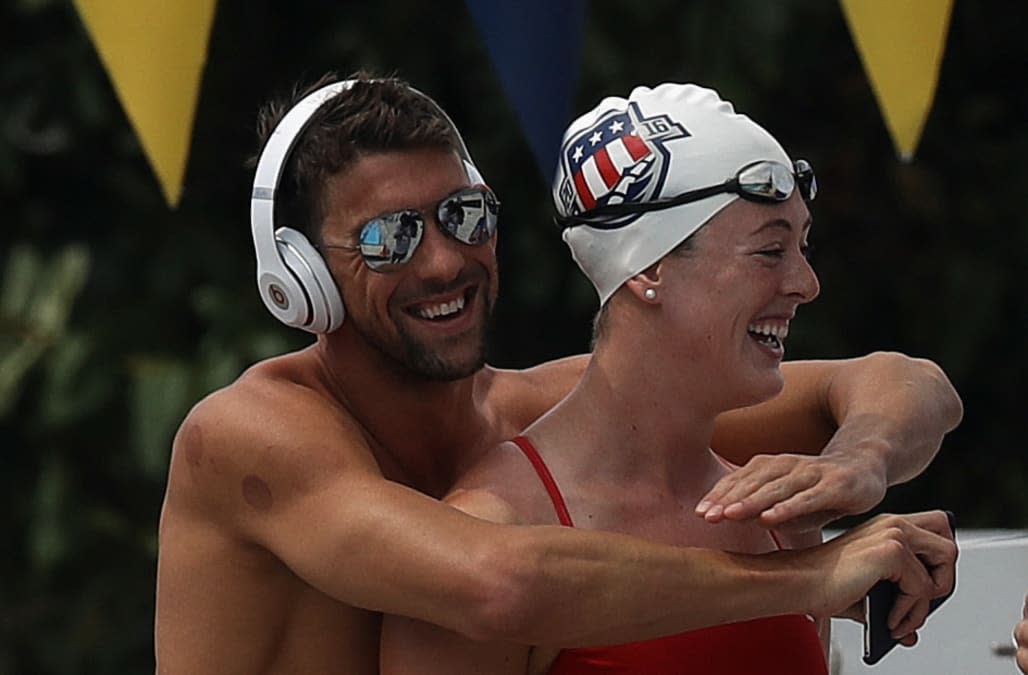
650,294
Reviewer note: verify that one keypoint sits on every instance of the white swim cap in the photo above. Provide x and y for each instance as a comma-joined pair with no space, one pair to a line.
657,144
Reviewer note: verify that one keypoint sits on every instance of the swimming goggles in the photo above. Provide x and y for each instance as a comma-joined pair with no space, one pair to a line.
468,215
763,181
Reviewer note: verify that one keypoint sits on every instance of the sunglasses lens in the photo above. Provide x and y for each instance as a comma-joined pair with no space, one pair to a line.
391,239
470,216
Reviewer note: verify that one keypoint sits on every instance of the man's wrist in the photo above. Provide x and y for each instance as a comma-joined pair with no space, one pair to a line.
865,442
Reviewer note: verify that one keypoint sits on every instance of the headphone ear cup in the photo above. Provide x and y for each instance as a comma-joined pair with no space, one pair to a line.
306,265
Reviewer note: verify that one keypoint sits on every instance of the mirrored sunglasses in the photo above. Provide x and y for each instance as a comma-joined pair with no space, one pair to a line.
390,240
763,181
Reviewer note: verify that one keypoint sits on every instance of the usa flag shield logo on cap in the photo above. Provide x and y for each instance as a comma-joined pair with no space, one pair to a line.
620,158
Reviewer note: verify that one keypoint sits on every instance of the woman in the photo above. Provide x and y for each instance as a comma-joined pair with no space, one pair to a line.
691,222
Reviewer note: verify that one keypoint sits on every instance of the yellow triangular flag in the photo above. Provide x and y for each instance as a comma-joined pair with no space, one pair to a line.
901,43
154,52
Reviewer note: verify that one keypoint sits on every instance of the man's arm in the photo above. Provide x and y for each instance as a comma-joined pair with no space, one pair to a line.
326,512
409,645
876,421
413,646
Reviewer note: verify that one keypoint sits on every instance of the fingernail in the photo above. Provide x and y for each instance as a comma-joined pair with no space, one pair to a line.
702,507
715,511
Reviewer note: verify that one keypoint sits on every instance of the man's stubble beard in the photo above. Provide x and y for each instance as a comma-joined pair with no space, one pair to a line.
414,358
422,360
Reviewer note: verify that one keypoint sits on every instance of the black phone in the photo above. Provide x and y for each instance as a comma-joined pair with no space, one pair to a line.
877,639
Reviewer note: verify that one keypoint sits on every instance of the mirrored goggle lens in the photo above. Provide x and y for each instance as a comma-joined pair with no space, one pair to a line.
470,216
391,239
806,179
767,181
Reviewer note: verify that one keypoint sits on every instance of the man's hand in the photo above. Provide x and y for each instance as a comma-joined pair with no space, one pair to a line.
917,552
1021,638
796,492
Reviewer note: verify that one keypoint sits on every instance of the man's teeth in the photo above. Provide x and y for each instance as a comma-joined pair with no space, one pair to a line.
779,331
442,309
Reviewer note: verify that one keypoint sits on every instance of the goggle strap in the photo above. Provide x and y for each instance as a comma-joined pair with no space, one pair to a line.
803,175
596,217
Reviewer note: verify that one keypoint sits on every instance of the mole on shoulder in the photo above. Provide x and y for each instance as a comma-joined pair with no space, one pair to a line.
257,493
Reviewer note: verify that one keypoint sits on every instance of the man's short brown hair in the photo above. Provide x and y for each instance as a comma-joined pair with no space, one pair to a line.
374,115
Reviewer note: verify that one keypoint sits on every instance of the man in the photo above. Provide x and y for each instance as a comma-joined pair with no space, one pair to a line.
302,499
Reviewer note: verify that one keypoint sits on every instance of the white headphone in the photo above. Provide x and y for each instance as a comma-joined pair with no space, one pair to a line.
292,278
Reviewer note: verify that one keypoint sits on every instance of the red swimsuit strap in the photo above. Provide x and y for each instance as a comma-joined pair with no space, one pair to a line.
547,478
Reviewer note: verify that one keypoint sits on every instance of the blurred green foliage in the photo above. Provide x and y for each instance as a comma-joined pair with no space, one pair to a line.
117,314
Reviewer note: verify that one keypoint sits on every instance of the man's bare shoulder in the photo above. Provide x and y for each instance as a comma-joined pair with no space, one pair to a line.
275,423
530,392
248,536
564,371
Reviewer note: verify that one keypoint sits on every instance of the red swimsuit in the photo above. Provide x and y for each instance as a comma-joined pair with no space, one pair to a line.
780,645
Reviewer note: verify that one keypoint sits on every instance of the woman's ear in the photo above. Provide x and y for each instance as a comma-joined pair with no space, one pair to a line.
646,284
